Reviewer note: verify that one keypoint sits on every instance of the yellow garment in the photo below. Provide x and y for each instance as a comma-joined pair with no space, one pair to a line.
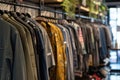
56,38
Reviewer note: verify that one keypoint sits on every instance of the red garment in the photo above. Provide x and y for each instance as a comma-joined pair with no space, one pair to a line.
81,37
96,77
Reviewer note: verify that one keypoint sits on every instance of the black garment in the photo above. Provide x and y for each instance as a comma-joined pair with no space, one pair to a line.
103,48
41,61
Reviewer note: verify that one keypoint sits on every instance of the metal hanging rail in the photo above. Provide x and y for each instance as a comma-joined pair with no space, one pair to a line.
19,4
90,18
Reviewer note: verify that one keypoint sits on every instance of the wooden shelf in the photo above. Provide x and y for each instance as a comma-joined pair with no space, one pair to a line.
84,8
45,1
87,10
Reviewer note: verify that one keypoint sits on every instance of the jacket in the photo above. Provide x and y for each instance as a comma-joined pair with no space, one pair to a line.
30,39
69,53
24,39
56,38
48,60
12,57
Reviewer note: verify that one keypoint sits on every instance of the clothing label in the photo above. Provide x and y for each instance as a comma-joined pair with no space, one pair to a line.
65,42
48,54
28,21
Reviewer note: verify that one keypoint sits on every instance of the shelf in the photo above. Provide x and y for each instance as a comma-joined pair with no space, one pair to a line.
87,10
84,8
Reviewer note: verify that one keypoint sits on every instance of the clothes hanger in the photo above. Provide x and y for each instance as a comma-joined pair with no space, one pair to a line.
28,15
5,11
11,13
24,14
18,14
21,15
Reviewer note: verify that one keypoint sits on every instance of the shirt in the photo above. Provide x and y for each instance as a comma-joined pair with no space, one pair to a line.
57,42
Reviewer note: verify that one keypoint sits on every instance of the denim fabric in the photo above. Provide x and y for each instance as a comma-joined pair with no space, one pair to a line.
108,39
103,48
12,58
107,36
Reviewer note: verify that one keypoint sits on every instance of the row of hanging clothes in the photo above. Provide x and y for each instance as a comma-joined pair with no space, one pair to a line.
47,49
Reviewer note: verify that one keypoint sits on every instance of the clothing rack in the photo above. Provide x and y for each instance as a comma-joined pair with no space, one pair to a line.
83,17
51,18
15,4
91,19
